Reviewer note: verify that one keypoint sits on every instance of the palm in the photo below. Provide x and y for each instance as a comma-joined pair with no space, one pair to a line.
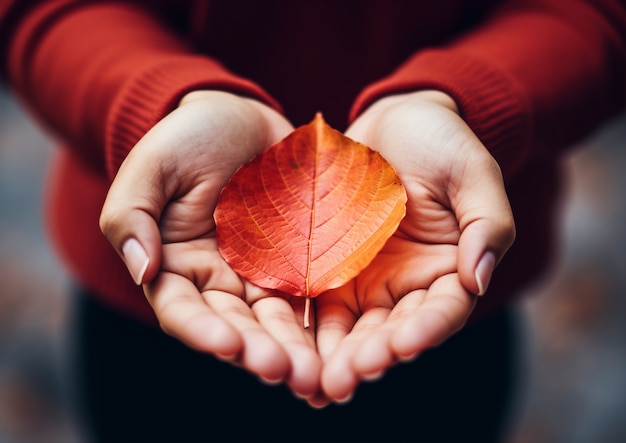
411,297
415,293
174,176
411,290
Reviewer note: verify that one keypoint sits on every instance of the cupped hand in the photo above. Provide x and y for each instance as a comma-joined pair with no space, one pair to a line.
423,285
158,215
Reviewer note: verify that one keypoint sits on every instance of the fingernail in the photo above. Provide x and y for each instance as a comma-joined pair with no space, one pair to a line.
483,272
136,259
270,381
373,376
301,396
345,399
408,358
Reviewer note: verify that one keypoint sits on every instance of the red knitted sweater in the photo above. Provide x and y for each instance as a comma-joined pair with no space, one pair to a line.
531,77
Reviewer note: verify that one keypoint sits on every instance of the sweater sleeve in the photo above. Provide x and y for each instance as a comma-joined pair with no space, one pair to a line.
101,74
533,78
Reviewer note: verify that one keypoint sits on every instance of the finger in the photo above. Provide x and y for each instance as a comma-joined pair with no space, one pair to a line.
183,314
339,379
319,401
261,354
130,213
284,323
336,313
443,311
486,222
334,321
375,354
223,292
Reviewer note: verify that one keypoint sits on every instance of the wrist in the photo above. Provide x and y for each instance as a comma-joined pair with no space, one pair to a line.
254,111
427,95
204,95
387,111
436,96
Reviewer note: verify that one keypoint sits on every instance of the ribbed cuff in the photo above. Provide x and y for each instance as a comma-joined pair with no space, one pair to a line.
152,94
488,100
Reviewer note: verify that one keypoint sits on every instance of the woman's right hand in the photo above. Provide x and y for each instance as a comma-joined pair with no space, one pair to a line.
158,215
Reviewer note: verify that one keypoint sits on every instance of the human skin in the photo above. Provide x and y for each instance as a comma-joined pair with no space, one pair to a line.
423,285
418,291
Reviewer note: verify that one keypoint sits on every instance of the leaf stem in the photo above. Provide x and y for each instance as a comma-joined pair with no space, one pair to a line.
307,312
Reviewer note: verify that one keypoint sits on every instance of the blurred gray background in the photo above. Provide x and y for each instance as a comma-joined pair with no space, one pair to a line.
574,385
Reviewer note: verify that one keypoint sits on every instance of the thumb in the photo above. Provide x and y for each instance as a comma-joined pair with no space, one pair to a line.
129,217
485,219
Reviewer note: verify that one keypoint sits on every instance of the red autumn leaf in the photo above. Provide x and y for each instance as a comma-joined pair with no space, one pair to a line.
309,213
